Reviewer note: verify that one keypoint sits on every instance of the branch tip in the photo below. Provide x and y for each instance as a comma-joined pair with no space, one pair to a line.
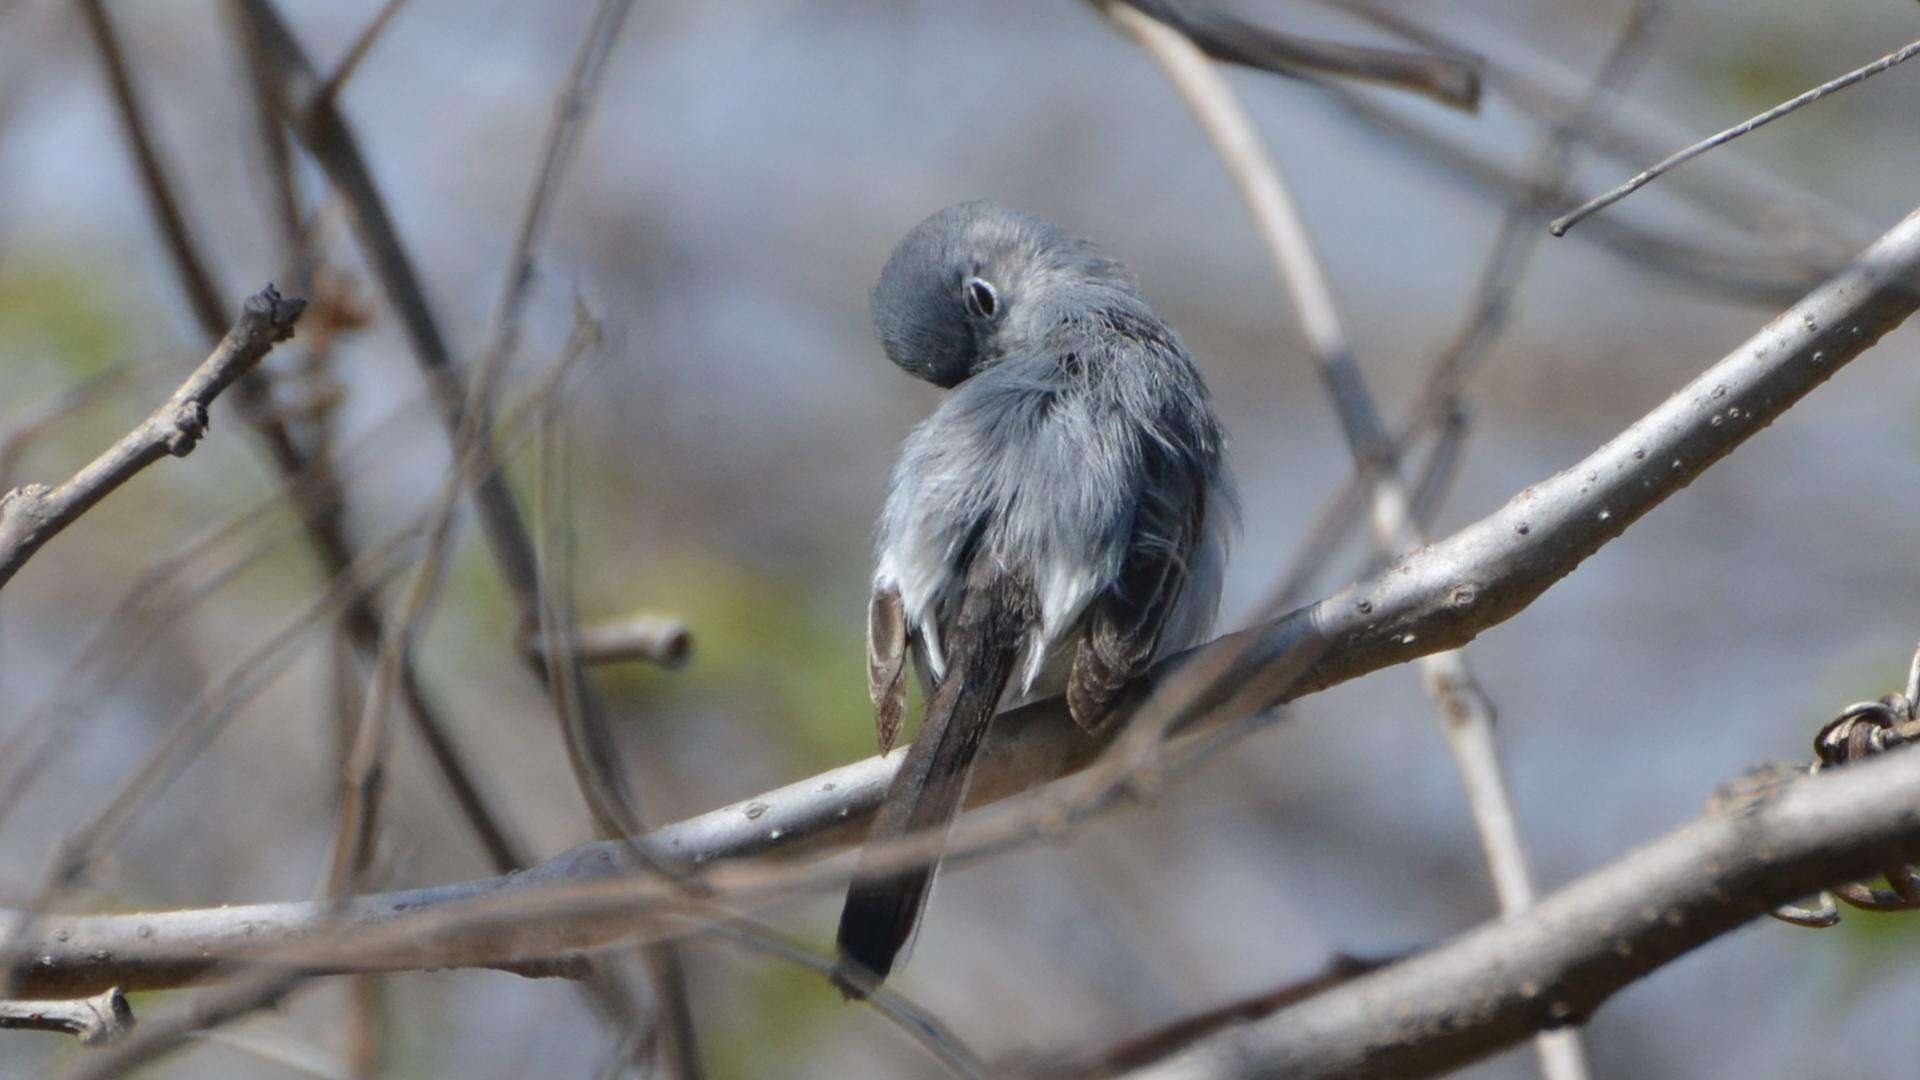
96,1021
269,311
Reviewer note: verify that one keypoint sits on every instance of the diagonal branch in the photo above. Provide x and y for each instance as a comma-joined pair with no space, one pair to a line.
195,278
295,91
1766,839
34,514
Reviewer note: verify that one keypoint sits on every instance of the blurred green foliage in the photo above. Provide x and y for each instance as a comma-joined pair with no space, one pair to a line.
52,310
778,1012
758,640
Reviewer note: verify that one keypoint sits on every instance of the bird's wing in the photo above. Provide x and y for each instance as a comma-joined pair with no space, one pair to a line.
887,661
1123,625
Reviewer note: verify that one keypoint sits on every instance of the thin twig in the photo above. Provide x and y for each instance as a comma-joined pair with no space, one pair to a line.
203,296
657,638
1559,226
572,105
282,200
1804,226
591,751
32,515
1442,467
365,1028
919,1024
22,430
1753,276
167,1033
600,773
362,44
158,596
589,742
1143,1049
361,771
98,1020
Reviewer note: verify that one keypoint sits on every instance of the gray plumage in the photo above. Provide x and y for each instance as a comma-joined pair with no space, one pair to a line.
1059,522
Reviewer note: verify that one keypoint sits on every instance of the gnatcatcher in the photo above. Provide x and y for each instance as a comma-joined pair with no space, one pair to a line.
1059,522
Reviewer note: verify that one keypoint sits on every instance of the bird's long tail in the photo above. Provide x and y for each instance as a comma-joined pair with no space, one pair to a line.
883,907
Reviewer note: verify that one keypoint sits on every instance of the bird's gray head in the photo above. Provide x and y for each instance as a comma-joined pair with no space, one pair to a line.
977,281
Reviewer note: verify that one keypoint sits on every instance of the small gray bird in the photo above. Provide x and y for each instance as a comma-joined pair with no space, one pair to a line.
1059,522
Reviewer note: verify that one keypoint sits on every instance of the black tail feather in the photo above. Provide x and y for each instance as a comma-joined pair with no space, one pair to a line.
883,908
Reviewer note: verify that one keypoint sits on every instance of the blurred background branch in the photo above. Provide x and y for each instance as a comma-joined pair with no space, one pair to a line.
1449,78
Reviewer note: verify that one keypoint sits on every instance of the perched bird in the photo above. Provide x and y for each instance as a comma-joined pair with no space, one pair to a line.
1059,522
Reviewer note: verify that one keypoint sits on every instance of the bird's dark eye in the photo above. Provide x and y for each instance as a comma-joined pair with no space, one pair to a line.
983,300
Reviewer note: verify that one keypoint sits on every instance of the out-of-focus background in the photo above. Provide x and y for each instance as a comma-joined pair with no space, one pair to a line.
743,176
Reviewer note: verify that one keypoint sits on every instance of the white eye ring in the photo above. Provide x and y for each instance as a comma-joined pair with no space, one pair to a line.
983,300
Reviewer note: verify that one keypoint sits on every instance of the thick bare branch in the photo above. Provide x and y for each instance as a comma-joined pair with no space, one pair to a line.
1769,839
34,514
